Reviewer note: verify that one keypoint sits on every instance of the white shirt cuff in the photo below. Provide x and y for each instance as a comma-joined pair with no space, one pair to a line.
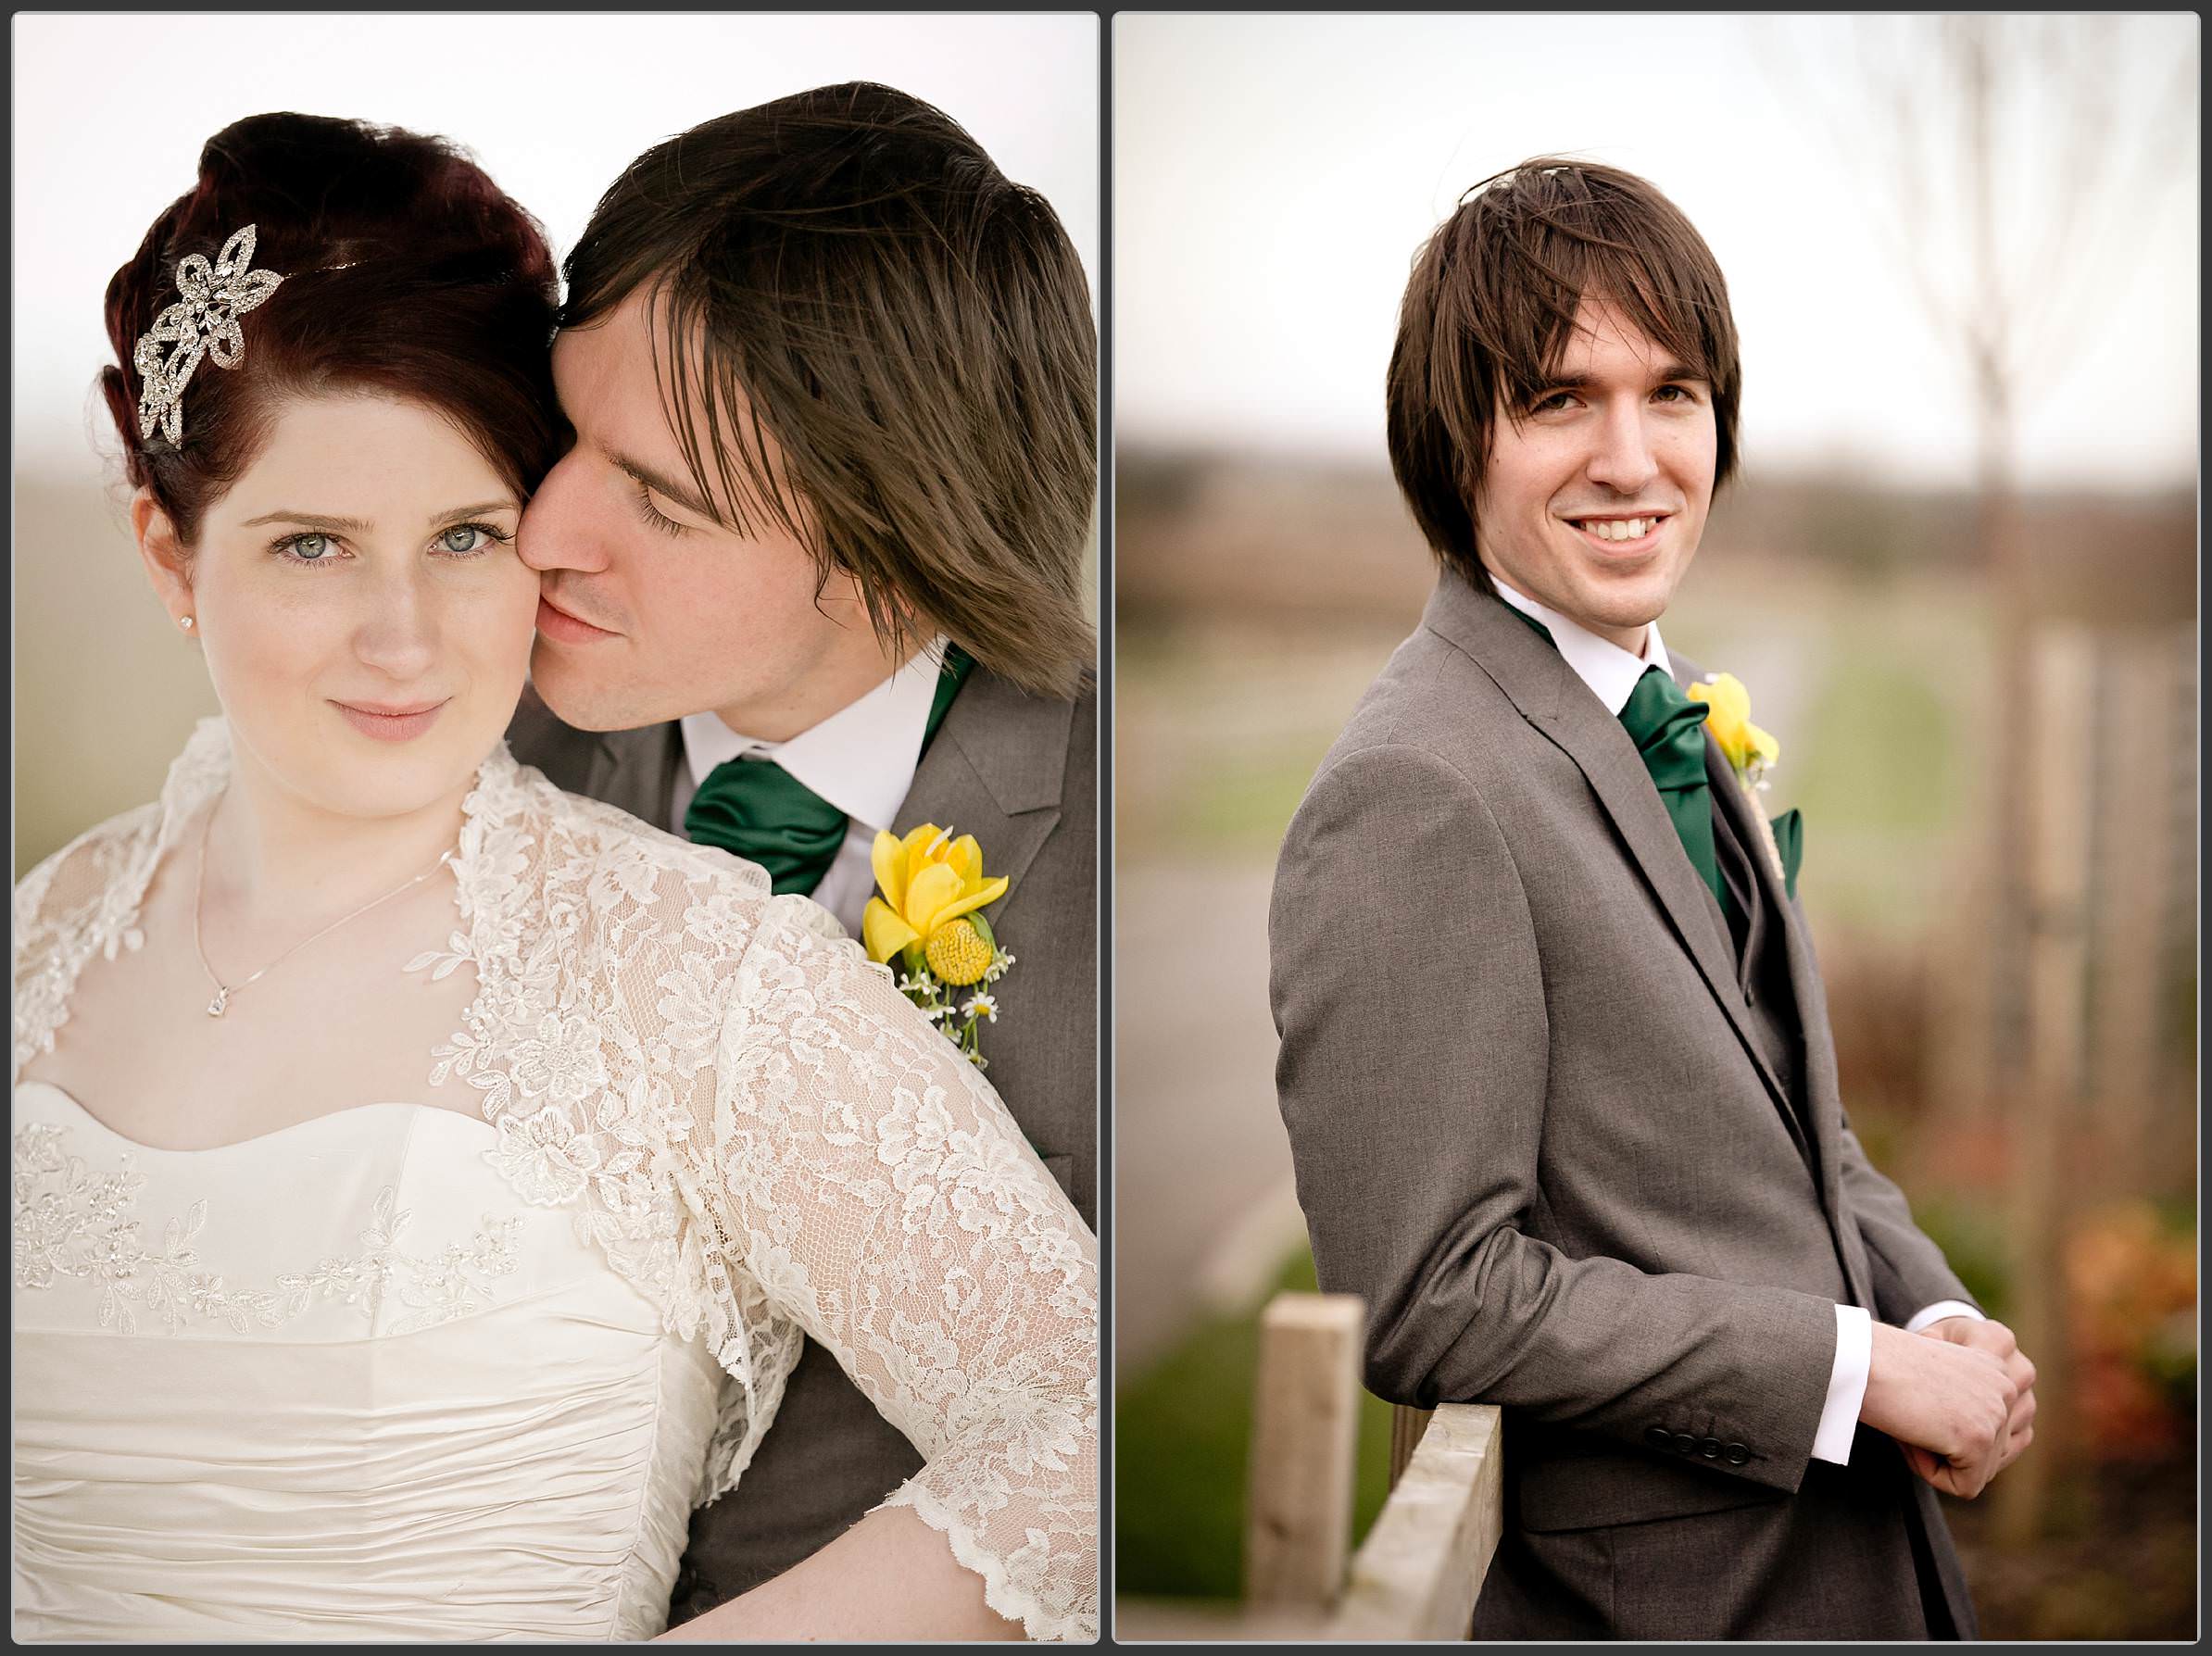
1846,1385
1939,1311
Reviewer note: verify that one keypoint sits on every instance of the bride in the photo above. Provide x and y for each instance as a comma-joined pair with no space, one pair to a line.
423,1177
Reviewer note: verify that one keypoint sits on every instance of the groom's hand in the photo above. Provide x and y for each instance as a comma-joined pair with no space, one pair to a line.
1948,1404
1984,1335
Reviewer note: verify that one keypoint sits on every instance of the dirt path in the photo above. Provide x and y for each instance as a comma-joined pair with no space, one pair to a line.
1202,1167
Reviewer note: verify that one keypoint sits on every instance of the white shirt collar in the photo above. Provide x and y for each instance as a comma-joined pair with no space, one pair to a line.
1609,670
861,758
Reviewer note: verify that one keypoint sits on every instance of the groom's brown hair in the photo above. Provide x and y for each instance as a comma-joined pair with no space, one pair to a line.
845,272
1491,308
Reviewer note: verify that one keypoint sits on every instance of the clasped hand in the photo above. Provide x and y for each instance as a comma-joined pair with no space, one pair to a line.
1959,1397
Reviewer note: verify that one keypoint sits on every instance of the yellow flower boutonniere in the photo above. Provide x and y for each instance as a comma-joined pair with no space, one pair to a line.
929,916
1751,753
1749,750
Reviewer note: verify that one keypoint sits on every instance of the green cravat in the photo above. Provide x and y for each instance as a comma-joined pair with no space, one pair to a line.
1668,729
759,811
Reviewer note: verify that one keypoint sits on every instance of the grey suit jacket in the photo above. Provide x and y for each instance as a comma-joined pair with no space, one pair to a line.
1534,1129
1020,773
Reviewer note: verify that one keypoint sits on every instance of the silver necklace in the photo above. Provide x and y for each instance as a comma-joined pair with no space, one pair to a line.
224,991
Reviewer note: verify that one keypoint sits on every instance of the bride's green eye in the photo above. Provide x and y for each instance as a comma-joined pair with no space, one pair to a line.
465,540
308,548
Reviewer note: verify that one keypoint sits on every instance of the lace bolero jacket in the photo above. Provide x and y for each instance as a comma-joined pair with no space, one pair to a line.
762,1135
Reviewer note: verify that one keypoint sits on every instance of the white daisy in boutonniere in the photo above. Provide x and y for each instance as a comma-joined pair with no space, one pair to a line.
929,916
1751,753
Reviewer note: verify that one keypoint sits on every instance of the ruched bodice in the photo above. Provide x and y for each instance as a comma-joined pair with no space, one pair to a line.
334,1382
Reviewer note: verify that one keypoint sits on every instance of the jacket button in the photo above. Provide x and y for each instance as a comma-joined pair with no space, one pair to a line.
1660,1437
1710,1449
1737,1454
1685,1444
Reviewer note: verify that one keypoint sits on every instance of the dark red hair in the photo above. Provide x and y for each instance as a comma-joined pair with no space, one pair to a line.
408,273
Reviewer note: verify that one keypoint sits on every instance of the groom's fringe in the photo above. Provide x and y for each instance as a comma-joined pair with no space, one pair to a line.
871,339
1490,306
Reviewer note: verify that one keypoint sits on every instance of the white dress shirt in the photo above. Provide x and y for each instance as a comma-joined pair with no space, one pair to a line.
1610,673
861,758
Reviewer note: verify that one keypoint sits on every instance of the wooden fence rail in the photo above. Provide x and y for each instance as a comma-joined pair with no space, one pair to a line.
1417,1573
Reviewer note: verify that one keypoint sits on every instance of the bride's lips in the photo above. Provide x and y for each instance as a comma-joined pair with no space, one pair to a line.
391,723
559,624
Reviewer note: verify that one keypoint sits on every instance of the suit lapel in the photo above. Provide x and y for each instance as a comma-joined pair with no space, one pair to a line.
1823,1107
636,770
995,770
1734,816
1550,698
633,770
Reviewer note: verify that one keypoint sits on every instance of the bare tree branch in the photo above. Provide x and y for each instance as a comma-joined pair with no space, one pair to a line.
2007,174
2079,305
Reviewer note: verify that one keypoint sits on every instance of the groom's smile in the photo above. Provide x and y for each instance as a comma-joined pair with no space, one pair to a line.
1620,536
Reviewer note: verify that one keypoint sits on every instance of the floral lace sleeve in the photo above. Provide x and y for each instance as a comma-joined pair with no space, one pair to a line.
878,1193
81,900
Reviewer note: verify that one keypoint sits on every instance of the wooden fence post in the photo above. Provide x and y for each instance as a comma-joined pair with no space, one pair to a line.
2131,879
2058,833
1305,1433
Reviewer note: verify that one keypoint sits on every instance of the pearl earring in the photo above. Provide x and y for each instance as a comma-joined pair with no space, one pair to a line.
184,621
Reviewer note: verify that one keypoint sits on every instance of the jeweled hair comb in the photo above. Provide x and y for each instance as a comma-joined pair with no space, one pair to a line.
203,322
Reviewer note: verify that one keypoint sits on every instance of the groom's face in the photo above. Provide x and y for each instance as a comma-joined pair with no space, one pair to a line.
653,606
1595,498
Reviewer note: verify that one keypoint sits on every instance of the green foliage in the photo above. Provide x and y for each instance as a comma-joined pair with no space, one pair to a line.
1887,761
2178,1017
1879,1133
2168,1357
1182,1436
2176,1215
1245,802
1971,1234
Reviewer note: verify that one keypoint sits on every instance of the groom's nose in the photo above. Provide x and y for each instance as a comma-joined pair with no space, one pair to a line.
1622,454
558,531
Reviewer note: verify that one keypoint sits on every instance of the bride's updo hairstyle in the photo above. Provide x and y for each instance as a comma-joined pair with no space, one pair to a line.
407,273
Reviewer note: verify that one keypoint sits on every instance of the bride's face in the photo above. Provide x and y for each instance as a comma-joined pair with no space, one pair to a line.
365,620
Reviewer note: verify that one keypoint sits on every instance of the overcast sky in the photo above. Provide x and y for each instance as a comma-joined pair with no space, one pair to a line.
1274,176
110,113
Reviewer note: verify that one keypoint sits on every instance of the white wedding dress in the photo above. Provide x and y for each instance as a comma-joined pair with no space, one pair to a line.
402,1372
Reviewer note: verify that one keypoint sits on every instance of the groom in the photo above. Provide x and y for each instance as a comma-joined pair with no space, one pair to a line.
813,568
1556,1058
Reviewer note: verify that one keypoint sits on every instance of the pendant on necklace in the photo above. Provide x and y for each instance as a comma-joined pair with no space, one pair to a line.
222,999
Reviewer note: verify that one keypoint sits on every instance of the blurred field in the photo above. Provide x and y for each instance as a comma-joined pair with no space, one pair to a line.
106,688
1257,599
